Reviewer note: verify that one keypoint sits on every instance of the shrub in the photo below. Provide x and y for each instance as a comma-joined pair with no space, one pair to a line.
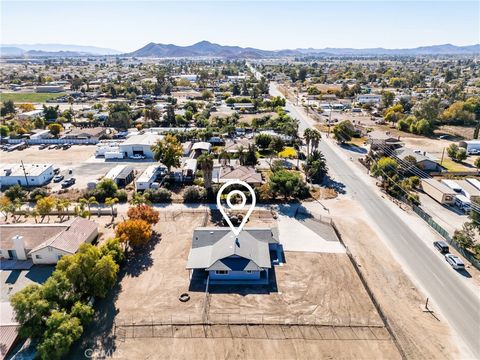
134,232
193,194
37,194
144,212
158,195
121,195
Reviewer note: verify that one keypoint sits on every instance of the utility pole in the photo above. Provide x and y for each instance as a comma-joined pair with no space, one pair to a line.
24,173
443,153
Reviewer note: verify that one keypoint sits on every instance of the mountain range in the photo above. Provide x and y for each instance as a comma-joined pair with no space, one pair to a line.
36,50
208,49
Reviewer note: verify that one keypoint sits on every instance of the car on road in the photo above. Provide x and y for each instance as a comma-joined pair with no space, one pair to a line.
137,157
67,183
455,262
441,246
58,178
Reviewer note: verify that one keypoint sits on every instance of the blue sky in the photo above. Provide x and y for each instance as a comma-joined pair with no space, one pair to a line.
128,25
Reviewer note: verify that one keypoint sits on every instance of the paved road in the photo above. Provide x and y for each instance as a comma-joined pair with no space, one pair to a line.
456,301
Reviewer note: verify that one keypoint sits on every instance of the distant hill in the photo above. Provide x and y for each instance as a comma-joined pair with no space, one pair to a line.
208,49
91,50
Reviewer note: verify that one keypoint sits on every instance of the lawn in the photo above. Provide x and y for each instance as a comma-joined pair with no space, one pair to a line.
29,97
358,141
451,165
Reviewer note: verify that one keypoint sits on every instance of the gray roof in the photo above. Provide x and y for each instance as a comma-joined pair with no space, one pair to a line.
403,152
215,248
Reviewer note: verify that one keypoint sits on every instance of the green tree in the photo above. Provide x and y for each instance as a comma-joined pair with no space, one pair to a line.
465,237
55,129
119,116
387,98
16,192
384,167
286,183
316,167
51,112
4,130
113,248
83,312
263,140
31,309
106,188
8,107
168,151
343,131
62,330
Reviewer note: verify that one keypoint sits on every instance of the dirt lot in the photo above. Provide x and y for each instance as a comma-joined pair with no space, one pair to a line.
311,289
421,335
72,156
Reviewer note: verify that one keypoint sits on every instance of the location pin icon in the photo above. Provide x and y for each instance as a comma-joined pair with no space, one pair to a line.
235,230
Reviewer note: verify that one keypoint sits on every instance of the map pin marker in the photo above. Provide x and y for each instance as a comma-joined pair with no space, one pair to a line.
236,230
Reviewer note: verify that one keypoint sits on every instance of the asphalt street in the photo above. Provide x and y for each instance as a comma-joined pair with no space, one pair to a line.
456,301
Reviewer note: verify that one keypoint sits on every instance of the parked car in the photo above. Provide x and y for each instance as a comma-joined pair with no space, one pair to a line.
455,262
56,171
43,146
51,147
68,182
58,178
473,152
137,157
441,246
66,146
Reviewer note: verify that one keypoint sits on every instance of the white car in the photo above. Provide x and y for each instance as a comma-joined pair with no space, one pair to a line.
137,157
455,262
473,152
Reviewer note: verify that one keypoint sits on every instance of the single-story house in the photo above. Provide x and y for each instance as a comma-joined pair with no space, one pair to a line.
369,98
140,144
379,139
30,114
230,259
49,89
92,134
223,174
424,162
25,174
45,243
200,148
232,146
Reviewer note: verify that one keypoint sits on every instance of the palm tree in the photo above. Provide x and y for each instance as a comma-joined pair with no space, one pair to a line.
205,162
307,135
315,139
111,202
224,157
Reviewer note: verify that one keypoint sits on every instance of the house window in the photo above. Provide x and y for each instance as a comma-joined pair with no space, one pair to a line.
249,272
221,272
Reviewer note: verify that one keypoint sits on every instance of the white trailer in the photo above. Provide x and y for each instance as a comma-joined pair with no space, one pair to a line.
438,191
110,155
148,178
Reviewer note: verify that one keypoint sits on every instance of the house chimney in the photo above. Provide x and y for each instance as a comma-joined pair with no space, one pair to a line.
19,247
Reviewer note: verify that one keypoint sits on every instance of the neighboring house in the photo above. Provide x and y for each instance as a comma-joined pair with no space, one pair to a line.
231,259
91,134
200,148
45,243
122,175
25,174
379,139
140,144
30,114
369,98
424,161
223,174
470,145
232,146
